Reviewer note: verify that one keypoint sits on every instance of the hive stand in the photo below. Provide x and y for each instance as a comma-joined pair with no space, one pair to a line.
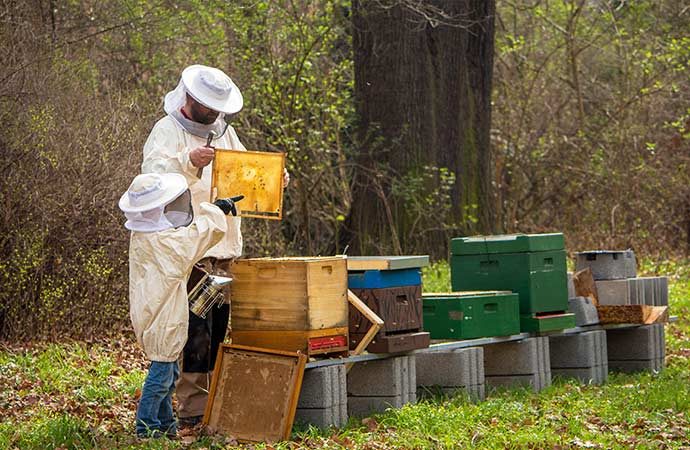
323,400
636,349
374,386
451,372
519,363
582,356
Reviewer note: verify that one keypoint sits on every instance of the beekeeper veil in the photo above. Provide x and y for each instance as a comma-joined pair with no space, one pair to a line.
212,88
157,202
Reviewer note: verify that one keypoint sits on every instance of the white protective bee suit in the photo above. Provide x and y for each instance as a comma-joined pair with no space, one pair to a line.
172,138
160,262
167,150
159,265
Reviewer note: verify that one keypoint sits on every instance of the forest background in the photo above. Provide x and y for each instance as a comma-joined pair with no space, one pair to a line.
590,135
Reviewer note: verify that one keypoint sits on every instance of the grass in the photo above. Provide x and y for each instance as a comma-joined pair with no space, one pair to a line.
82,396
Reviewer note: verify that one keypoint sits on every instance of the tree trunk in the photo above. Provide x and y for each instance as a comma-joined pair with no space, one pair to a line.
423,91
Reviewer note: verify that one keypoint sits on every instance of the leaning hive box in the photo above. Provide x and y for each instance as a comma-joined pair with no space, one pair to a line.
292,304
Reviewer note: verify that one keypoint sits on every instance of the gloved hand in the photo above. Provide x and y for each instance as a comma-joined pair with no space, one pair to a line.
227,205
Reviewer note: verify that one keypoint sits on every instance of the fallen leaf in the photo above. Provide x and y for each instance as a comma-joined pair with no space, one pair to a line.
370,423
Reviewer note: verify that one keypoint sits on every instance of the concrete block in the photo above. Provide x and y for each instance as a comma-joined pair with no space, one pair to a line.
525,362
323,387
661,291
645,342
323,417
649,286
637,291
323,398
615,292
382,377
585,311
373,386
522,357
571,286
632,366
365,406
582,350
450,368
536,381
608,265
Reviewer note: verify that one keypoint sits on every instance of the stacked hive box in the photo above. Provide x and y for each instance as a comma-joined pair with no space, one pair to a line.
295,304
469,315
533,266
391,287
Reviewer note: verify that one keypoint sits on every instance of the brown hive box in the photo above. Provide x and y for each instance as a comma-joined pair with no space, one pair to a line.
292,304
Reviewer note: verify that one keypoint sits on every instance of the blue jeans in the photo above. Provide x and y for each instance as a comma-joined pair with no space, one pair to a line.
155,412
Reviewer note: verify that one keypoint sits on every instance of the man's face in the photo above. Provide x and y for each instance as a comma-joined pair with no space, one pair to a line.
200,113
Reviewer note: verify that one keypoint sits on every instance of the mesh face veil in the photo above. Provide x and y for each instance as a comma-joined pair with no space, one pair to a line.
179,212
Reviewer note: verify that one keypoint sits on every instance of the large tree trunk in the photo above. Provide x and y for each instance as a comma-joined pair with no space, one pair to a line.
423,90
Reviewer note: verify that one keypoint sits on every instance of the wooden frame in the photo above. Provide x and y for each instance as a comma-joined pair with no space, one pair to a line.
262,390
376,324
256,175
291,340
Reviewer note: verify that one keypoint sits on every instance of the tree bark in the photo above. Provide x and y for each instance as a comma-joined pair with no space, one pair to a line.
423,73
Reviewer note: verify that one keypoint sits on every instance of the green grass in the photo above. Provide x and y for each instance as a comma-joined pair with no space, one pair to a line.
78,396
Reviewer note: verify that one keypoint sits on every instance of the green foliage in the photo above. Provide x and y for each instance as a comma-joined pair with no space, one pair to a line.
591,100
436,277
48,432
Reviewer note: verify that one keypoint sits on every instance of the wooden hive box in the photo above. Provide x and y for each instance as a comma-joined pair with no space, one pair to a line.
297,303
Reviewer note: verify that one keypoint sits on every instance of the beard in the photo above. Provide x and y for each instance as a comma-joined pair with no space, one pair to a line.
202,115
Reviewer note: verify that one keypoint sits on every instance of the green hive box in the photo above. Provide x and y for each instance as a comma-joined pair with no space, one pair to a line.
532,265
464,315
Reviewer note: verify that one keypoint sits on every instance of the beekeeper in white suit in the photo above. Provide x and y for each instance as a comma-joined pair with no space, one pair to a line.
167,239
177,144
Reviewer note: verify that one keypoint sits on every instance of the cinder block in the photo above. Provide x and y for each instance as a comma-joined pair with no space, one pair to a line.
409,393
364,406
649,286
373,386
608,265
525,362
382,377
632,366
585,311
513,358
451,368
661,291
572,351
637,291
536,381
614,292
571,286
645,342
475,392
323,417
323,387
323,398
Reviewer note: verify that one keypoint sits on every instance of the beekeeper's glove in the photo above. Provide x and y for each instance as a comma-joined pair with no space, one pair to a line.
227,205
